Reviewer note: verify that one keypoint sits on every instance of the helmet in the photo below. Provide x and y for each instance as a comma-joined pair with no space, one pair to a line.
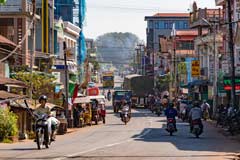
204,101
170,104
196,104
42,97
101,102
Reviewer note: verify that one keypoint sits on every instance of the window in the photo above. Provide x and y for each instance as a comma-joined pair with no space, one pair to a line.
185,45
166,26
185,25
150,24
156,25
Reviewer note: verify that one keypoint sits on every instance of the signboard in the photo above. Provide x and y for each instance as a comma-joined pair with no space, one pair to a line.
225,66
195,68
228,83
182,68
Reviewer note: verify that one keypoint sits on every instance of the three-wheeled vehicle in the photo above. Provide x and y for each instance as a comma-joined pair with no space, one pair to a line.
96,110
85,116
118,97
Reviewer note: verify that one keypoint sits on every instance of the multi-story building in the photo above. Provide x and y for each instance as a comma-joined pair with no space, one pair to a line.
208,46
15,20
64,9
161,24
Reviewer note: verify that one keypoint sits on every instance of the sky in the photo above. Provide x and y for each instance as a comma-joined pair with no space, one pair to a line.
105,16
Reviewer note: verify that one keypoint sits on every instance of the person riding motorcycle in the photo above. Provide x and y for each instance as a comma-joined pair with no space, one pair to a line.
43,109
205,109
196,115
125,108
109,94
171,112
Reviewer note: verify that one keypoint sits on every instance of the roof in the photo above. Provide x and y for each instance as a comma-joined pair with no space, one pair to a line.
4,40
7,95
132,76
82,100
171,15
10,81
186,32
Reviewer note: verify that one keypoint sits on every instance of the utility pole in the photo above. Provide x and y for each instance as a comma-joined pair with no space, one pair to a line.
33,47
66,78
215,78
231,49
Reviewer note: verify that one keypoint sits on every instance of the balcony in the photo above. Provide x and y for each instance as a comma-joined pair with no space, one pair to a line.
16,7
211,15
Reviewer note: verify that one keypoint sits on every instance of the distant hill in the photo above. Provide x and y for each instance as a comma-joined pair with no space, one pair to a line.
116,47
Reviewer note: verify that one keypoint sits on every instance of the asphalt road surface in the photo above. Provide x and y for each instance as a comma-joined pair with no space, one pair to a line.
144,137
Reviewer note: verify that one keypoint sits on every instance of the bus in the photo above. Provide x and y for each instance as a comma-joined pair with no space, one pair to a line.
108,79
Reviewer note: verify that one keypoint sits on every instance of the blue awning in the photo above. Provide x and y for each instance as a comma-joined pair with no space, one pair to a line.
198,83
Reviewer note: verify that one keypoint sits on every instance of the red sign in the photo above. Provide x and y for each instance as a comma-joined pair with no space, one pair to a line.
228,88
93,91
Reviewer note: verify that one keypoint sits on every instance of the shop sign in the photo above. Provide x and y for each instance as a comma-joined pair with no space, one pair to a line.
182,68
228,83
195,68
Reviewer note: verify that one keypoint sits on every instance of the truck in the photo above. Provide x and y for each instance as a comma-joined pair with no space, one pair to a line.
118,97
108,79
141,86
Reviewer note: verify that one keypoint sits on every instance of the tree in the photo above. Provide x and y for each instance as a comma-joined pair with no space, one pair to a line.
3,2
163,82
42,83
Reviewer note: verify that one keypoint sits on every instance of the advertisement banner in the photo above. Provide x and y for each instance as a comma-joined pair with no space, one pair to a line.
195,68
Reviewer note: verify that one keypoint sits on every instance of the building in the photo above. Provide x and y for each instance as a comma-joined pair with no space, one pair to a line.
15,25
161,24
68,33
64,9
208,46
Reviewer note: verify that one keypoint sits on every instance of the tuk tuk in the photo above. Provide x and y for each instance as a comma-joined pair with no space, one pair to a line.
85,116
96,110
118,97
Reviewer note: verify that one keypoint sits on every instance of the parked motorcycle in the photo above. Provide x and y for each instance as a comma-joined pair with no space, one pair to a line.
170,126
196,129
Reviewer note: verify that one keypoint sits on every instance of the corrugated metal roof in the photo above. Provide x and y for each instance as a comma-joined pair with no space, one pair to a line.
132,76
171,15
4,40
6,81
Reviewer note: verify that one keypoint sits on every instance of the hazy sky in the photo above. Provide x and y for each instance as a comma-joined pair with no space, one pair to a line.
128,15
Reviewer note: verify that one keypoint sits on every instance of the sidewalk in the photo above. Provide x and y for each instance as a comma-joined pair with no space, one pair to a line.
223,131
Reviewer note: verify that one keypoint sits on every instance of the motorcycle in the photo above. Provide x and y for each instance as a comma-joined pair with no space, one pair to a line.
42,136
196,129
170,126
158,110
125,116
41,131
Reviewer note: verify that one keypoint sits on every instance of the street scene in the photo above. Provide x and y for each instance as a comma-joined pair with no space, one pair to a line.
113,80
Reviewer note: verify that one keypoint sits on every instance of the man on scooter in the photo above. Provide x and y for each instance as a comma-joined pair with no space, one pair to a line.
196,115
43,109
171,112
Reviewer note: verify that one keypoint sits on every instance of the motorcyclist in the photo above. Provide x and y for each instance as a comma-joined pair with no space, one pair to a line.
195,114
44,109
125,108
205,109
171,112
109,95
102,111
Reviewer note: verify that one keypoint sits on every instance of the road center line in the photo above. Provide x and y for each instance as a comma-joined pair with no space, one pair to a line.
108,145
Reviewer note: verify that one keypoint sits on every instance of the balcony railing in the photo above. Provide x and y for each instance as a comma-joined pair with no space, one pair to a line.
13,6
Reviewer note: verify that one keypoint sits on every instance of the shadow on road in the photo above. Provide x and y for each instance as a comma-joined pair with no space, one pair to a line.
185,141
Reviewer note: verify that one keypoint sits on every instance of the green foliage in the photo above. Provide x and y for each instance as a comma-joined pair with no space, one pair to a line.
6,140
8,124
163,82
42,83
3,2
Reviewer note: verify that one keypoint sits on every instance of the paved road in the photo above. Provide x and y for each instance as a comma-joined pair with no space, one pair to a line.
143,138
